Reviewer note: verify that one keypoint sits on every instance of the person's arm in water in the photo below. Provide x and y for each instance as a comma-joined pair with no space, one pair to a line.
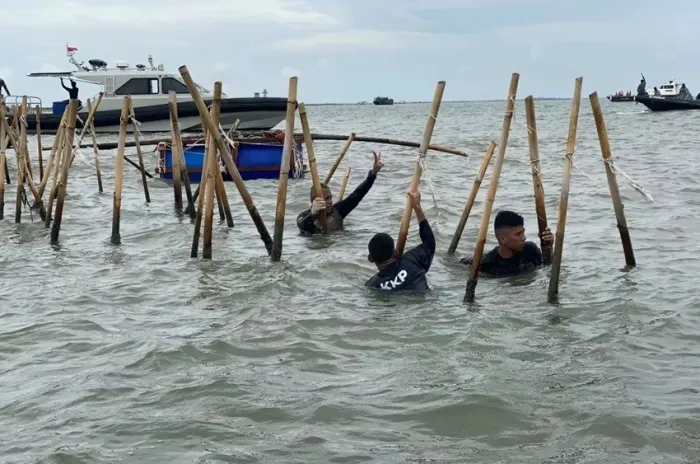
345,206
424,252
306,221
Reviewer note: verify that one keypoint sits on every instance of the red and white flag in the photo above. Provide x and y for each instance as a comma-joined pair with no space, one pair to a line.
71,50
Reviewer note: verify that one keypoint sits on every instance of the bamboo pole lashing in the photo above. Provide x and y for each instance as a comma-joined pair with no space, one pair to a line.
276,252
618,206
553,289
415,180
493,185
472,197
228,160
540,205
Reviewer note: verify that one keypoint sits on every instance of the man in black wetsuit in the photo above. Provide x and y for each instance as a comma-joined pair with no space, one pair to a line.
307,221
513,254
409,271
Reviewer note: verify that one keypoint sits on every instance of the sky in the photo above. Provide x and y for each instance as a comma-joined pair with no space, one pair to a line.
347,51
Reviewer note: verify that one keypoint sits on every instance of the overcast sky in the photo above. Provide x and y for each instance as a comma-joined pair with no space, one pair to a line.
352,50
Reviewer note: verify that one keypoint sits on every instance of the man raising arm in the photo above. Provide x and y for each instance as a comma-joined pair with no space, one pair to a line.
307,221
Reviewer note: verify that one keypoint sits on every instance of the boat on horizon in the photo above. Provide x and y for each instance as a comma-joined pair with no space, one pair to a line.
383,101
149,88
670,96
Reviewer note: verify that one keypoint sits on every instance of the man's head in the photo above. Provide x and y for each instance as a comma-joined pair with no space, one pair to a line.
510,230
73,83
325,194
381,248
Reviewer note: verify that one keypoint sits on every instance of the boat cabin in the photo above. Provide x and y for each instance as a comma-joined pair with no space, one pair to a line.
147,86
670,89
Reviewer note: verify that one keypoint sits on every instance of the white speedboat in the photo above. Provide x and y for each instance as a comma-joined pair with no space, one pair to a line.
149,89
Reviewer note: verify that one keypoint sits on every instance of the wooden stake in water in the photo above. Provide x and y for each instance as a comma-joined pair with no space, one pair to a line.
139,153
225,152
95,150
63,184
612,180
3,159
175,130
339,158
564,198
119,172
178,151
493,185
20,150
276,253
203,185
37,111
345,184
540,206
415,180
56,150
472,196
209,171
311,154
221,195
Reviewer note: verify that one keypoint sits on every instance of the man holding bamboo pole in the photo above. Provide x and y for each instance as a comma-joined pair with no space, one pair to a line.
308,222
514,254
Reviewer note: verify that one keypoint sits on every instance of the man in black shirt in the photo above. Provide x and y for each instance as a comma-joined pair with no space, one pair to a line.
307,221
409,271
513,254
72,90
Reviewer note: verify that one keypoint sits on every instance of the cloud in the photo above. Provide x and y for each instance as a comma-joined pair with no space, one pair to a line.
348,40
135,14
289,72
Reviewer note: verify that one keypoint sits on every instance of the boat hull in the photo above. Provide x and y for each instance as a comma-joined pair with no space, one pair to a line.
253,113
253,161
618,98
668,104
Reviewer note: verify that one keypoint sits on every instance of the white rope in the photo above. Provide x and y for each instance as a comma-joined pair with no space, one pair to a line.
647,196
424,168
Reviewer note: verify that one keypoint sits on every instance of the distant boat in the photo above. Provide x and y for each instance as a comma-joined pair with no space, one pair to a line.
383,101
669,97
621,98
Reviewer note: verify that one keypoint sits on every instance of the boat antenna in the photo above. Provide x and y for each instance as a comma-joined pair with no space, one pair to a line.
150,62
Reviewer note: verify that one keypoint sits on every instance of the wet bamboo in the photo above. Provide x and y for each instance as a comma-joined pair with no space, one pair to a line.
22,146
175,155
28,176
339,158
139,153
210,171
37,111
612,181
3,159
63,156
203,185
63,184
119,172
276,253
177,143
58,142
540,205
311,155
221,195
345,184
415,180
472,197
7,171
95,151
493,185
88,123
224,150
564,197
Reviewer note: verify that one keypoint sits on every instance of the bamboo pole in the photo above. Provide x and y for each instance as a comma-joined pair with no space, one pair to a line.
3,159
63,184
311,154
226,153
139,153
95,150
540,206
338,158
612,180
472,196
58,142
345,184
493,185
564,198
276,253
22,146
209,169
203,184
221,195
176,138
175,135
63,156
415,180
88,123
119,171
37,111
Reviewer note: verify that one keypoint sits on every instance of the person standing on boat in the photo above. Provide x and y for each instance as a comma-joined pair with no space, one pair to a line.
307,221
72,91
642,87
684,93
513,254
3,86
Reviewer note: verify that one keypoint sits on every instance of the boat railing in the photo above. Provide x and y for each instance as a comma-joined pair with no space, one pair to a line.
12,101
